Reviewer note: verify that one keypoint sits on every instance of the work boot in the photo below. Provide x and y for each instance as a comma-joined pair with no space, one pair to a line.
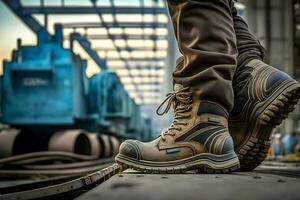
264,96
197,139
202,97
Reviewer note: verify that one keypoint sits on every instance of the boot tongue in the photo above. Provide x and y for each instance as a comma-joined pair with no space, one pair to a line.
177,87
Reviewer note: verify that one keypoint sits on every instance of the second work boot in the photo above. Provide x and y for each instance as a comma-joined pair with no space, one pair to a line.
264,96
197,139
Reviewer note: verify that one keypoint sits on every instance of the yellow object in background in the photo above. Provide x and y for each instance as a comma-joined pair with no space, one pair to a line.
270,153
291,157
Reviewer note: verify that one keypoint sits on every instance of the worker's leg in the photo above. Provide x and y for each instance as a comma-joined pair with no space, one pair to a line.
198,137
206,38
249,47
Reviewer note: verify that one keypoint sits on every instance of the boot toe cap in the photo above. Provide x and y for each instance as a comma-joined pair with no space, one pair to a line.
130,149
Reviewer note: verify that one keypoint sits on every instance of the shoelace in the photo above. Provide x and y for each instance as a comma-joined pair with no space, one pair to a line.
182,100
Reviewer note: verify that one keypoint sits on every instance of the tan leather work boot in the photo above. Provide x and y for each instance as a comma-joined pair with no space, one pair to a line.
264,96
197,139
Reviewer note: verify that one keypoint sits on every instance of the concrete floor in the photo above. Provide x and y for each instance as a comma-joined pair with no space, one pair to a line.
264,183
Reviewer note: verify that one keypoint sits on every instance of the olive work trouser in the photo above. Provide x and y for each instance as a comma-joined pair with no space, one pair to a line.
206,38
214,41
249,47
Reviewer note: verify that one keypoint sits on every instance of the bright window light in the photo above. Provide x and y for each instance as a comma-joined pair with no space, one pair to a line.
123,72
94,31
100,43
129,87
151,94
149,87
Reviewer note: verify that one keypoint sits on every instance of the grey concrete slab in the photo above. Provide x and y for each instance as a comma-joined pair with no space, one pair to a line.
251,185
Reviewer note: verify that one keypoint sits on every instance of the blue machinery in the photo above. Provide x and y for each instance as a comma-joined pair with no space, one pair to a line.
143,7
44,87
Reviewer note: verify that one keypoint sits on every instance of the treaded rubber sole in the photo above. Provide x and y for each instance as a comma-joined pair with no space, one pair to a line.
206,165
255,149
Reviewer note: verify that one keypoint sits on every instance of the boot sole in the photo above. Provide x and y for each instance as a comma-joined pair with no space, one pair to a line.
264,118
204,163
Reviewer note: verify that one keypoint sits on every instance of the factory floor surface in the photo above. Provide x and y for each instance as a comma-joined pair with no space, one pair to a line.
267,182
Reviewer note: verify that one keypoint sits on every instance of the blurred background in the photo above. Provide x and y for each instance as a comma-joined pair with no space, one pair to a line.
103,67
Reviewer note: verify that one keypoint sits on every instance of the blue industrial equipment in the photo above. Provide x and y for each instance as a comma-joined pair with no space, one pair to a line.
26,13
107,103
45,86
136,123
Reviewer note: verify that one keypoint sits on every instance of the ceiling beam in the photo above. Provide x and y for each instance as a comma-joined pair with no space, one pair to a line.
116,25
91,10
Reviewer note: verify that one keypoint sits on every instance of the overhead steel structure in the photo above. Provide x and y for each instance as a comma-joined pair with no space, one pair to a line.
126,36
